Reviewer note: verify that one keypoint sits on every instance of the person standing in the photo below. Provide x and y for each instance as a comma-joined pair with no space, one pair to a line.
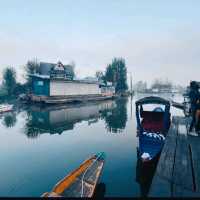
194,97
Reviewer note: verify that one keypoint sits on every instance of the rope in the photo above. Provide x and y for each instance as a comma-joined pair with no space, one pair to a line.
86,172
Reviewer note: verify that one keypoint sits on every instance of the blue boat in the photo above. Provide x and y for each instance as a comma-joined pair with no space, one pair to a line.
152,126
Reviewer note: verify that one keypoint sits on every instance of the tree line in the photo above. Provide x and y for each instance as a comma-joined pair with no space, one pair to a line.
10,87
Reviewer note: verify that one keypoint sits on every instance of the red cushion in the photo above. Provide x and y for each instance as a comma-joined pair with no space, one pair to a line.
152,126
152,121
155,116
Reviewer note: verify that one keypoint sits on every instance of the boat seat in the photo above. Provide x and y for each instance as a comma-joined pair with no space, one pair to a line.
153,116
152,126
152,121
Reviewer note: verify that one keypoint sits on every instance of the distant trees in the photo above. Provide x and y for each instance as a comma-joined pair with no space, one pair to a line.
10,86
31,67
161,84
20,88
116,72
140,86
71,69
100,76
3,92
9,80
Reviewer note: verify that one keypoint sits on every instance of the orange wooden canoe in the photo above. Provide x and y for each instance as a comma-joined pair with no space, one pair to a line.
82,181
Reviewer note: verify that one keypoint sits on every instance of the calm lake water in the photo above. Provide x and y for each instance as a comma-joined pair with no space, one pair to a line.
39,146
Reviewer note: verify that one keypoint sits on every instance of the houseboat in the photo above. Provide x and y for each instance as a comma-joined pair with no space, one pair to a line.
58,85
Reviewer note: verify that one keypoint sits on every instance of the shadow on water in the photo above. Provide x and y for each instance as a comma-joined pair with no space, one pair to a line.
58,119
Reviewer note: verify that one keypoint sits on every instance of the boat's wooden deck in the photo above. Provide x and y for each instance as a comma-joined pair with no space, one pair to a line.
178,170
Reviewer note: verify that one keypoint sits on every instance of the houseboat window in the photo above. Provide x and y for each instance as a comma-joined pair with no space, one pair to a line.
40,83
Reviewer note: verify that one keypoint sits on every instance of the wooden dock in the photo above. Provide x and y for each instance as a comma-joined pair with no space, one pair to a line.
178,170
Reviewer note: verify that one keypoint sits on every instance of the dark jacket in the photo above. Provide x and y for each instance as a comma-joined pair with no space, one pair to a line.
194,97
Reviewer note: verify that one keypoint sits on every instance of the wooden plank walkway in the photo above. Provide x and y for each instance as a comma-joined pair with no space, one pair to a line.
178,170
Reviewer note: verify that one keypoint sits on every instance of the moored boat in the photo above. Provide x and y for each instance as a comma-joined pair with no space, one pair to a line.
5,108
152,126
82,181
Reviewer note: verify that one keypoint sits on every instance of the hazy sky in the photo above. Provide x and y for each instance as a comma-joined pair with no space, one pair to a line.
157,38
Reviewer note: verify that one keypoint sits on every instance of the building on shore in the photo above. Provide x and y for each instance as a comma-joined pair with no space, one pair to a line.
56,84
160,86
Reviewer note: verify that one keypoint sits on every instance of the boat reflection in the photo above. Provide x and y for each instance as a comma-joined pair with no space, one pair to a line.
57,119
145,173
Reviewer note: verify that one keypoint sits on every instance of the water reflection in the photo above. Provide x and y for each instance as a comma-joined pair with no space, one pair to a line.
100,191
117,118
9,119
57,119
89,136
144,174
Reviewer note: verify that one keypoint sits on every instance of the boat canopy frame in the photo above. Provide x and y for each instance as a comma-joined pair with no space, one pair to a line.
152,100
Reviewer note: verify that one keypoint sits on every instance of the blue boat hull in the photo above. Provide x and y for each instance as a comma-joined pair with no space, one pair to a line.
150,145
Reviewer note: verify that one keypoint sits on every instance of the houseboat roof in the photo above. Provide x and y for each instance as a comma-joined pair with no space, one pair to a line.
45,68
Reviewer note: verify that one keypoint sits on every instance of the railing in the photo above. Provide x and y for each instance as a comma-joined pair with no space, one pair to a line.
58,74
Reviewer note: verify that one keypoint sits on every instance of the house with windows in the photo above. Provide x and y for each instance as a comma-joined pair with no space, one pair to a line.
55,83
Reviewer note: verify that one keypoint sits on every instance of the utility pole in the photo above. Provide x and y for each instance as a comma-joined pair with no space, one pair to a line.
131,84
131,101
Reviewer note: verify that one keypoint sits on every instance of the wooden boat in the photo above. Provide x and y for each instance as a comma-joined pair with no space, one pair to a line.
5,108
152,127
82,181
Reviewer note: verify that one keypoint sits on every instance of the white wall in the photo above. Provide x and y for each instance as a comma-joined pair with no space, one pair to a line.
73,88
